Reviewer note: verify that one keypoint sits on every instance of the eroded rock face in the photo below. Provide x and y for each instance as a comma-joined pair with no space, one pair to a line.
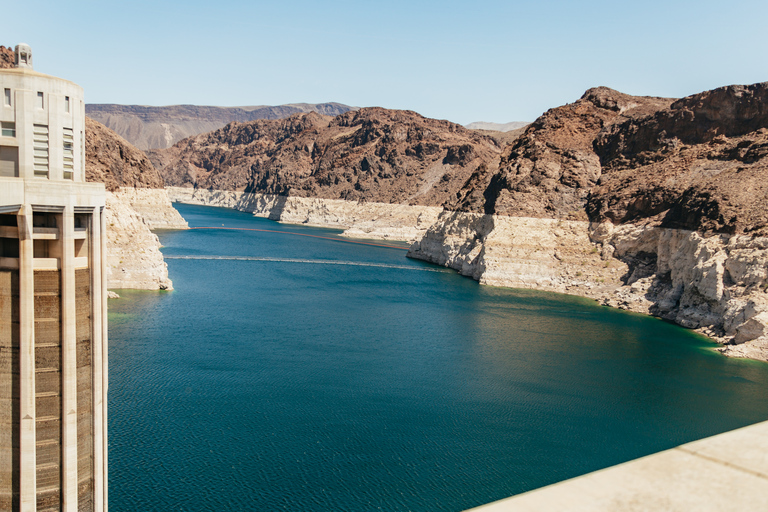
697,165
115,162
549,171
373,154
136,203
7,58
134,259
383,221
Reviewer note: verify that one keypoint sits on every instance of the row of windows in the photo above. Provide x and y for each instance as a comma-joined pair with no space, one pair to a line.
40,100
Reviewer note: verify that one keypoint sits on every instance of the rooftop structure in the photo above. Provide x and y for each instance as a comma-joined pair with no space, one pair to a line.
53,330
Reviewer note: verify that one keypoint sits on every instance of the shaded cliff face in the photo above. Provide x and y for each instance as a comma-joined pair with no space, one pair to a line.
160,127
550,169
698,165
7,58
111,160
372,154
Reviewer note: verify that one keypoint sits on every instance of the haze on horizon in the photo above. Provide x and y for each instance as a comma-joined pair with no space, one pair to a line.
490,61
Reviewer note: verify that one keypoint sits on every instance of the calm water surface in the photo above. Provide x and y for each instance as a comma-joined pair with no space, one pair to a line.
291,372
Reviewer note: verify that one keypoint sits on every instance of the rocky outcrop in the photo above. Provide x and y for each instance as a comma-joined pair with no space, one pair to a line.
520,252
154,207
115,162
371,155
160,127
676,199
134,259
7,58
549,171
136,203
698,165
716,284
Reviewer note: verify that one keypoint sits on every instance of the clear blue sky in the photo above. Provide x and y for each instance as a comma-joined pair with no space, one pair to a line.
464,61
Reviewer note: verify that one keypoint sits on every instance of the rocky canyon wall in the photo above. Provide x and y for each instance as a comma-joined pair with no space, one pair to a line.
650,204
134,259
136,204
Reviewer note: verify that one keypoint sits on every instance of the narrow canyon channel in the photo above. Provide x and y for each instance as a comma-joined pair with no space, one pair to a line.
313,373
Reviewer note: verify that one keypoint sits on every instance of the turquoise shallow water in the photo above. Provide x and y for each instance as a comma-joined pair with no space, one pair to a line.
290,372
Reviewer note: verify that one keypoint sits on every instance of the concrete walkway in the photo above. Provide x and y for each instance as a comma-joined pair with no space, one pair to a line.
721,473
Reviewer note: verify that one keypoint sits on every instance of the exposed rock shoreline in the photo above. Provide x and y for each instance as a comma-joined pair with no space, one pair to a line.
714,284
134,259
136,204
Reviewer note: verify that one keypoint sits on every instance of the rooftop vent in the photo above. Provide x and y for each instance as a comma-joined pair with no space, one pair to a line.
23,56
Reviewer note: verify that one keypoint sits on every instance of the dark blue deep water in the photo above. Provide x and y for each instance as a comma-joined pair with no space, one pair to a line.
315,374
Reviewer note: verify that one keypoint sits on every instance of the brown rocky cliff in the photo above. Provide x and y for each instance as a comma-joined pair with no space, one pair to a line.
111,160
549,170
373,154
698,165
7,58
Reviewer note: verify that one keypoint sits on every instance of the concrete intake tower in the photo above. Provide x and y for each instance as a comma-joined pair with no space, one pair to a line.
53,328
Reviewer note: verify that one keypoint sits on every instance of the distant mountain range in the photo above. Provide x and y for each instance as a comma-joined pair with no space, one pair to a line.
497,127
149,127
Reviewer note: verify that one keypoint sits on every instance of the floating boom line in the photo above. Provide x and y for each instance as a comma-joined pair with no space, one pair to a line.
305,234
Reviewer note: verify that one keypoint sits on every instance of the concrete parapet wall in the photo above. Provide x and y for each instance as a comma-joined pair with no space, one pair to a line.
724,472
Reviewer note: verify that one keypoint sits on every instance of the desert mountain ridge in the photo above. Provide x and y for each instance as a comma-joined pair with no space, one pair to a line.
150,127
497,127
608,155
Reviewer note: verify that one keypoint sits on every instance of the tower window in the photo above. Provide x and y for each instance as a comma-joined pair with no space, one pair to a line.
40,100
9,161
8,129
7,97
66,104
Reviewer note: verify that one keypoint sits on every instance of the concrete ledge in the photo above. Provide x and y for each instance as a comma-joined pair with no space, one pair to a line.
720,473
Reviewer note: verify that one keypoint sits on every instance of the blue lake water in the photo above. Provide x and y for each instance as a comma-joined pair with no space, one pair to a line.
293,370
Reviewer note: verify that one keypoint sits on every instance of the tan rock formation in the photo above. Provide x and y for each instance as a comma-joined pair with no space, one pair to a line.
134,259
136,204
359,219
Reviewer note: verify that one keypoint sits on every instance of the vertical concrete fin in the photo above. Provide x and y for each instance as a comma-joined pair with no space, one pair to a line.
68,363
27,437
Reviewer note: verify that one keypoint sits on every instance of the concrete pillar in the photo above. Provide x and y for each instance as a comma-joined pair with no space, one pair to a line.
99,400
68,363
105,350
28,459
